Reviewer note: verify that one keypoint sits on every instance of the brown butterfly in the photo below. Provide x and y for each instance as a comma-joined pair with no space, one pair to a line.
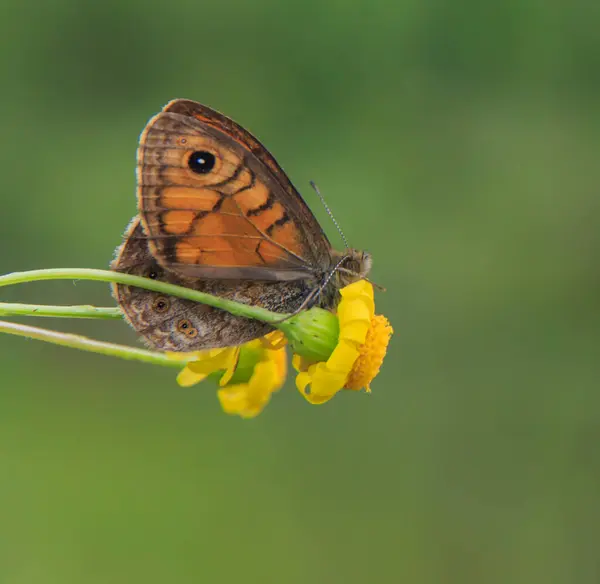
218,214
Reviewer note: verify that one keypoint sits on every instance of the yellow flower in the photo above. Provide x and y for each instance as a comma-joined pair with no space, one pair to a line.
357,358
339,351
250,374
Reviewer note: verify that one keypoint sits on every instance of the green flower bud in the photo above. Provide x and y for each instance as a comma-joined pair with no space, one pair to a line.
313,333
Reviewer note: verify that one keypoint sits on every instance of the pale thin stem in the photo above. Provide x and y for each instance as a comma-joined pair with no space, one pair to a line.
84,311
235,308
90,345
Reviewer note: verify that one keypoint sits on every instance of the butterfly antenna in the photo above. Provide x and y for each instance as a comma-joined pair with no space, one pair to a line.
376,285
316,188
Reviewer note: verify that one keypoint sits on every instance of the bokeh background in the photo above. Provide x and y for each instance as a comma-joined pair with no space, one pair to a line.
458,142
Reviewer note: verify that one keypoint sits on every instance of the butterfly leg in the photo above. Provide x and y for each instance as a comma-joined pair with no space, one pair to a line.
307,302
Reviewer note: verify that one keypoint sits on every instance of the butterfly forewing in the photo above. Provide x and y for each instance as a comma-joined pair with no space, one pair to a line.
215,204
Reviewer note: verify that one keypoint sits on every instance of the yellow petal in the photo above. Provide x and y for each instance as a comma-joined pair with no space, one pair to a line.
249,399
357,289
352,311
206,363
326,382
187,378
265,379
317,400
302,380
279,357
355,332
212,360
361,291
234,400
342,359
300,363
274,340
230,363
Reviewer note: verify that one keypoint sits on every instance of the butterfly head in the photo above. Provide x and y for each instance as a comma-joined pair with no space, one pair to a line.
353,265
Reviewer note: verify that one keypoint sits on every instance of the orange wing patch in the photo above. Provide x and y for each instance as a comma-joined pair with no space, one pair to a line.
252,198
185,198
177,222
228,238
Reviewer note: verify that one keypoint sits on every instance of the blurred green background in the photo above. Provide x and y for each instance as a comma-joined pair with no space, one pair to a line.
458,142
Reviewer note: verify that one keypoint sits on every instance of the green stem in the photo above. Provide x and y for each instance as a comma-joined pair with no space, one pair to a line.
87,311
235,308
85,344
316,342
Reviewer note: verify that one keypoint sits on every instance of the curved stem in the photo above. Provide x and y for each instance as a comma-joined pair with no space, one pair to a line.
235,308
84,311
90,345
